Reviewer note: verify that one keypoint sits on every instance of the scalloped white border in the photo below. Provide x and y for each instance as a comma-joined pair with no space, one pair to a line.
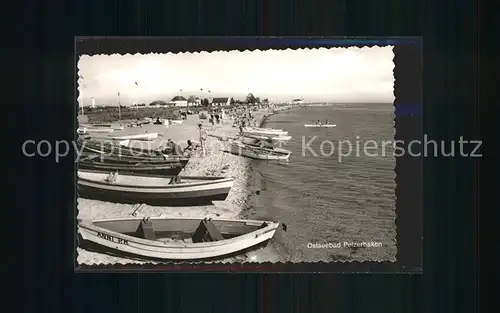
136,262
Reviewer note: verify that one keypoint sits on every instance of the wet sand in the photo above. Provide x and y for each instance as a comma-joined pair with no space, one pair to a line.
214,163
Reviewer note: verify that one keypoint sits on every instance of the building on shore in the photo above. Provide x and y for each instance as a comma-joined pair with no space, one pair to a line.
179,101
92,103
194,101
221,102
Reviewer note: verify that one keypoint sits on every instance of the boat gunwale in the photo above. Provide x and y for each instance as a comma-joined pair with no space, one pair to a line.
137,166
262,137
282,152
203,180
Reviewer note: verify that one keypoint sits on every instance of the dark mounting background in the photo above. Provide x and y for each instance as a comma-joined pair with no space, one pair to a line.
47,283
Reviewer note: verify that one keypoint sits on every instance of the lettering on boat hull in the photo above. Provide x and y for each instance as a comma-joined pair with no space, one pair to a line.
112,238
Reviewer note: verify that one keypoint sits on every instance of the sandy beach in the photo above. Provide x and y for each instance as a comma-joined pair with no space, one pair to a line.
214,163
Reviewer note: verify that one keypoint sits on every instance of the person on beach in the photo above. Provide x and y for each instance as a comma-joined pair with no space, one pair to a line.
203,137
177,150
168,147
190,147
173,148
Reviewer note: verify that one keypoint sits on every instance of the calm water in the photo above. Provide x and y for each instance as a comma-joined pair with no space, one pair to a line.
322,200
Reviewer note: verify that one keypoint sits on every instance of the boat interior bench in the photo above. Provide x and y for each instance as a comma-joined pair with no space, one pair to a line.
206,232
145,230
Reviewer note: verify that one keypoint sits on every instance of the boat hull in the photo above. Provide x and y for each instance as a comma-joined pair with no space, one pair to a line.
132,160
123,151
147,136
245,234
259,153
172,169
265,133
202,192
266,137
115,127
85,130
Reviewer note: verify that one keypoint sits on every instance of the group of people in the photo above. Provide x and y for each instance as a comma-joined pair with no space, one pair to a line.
318,122
245,120
172,148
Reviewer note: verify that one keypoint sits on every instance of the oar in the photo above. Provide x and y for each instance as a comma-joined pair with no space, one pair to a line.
134,213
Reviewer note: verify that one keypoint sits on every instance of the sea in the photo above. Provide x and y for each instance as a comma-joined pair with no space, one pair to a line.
337,204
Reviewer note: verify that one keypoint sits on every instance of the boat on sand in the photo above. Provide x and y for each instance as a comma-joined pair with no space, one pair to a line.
176,238
320,125
113,149
131,160
258,153
264,131
152,189
270,138
112,126
165,169
146,136
85,130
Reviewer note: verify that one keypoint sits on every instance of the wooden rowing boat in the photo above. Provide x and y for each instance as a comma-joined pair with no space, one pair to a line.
166,169
106,140
132,160
278,130
262,144
264,132
85,130
111,148
146,136
115,127
176,238
320,125
270,138
152,189
258,153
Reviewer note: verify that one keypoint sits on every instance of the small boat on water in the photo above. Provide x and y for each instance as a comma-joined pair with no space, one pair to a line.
152,189
177,238
270,138
169,169
146,136
264,132
320,125
258,153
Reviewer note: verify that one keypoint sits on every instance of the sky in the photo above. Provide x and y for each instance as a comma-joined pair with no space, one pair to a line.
339,75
